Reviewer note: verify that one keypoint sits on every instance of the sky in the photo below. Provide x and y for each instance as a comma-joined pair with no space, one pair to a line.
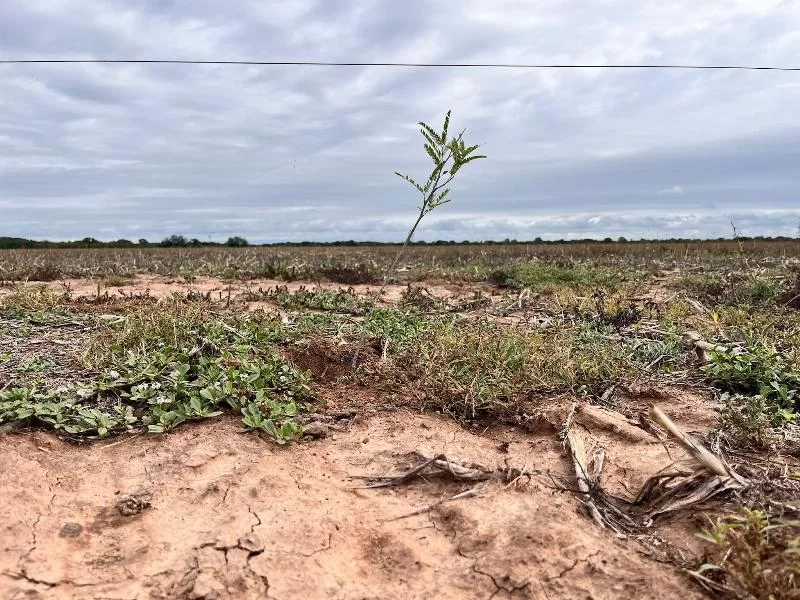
288,153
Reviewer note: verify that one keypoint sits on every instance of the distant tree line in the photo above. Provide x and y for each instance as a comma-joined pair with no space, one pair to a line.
180,241
88,242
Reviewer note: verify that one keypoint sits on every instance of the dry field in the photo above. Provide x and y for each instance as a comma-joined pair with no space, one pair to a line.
508,421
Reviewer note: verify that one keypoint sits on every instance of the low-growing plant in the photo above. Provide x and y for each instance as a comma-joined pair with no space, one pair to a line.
751,287
756,369
36,365
550,277
419,298
346,301
755,555
33,298
472,367
160,368
110,281
762,392
395,329
752,420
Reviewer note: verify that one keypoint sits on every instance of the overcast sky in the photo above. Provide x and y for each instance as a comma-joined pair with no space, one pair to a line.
308,153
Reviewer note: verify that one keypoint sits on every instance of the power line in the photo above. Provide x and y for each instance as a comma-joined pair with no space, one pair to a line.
391,64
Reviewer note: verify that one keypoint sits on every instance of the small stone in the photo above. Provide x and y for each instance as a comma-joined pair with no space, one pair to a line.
132,504
70,530
252,543
316,430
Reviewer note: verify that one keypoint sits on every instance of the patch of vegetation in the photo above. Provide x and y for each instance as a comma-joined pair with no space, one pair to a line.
753,421
419,298
549,277
116,281
395,329
162,366
754,555
36,365
345,301
755,287
474,367
757,368
360,274
706,286
443,260
761,392
33,299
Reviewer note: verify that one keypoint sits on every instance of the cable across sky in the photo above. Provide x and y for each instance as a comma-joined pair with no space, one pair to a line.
393,64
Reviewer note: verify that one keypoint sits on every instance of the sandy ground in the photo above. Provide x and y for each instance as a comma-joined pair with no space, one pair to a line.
232,515
207,512
158,286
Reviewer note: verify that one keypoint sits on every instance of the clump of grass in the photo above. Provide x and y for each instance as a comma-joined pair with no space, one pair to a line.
346,301
110,281
754,555
33,298
48,272
754,287
173,322
359,274
479,367
549,277
419,298
706,286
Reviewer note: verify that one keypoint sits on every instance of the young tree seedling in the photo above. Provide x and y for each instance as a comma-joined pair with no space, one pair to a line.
449,156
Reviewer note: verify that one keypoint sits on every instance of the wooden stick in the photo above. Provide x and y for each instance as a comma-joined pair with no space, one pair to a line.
699,452
577,448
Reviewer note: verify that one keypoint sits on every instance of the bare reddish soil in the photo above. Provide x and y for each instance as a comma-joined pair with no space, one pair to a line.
209,512
158,286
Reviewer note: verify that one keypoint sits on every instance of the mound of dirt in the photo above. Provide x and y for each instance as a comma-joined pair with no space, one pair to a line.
210,513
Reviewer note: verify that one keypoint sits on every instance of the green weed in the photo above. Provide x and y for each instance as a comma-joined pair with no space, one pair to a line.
473,367
550,277
752,421
164,365
754,287
756,369
755,555
33,298
341,300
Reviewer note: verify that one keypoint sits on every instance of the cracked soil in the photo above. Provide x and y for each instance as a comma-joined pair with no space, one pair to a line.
229,515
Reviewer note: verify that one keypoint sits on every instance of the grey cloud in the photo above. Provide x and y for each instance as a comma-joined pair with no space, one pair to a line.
153,150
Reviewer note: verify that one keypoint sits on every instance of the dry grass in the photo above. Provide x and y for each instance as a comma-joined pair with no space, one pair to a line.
754,556
365,264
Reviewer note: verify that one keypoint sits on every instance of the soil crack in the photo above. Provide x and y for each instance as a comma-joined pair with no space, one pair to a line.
258,519
572,566
505,585
327,546
22,559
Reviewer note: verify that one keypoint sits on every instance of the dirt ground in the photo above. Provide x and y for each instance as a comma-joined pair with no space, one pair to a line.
209,512
157,286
